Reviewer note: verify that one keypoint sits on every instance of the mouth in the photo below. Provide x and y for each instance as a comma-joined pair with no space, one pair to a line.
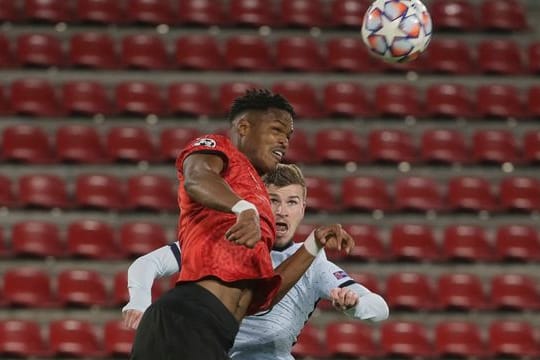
278,154
281,228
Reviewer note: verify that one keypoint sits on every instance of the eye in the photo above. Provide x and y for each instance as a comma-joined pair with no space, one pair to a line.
292,202
274,201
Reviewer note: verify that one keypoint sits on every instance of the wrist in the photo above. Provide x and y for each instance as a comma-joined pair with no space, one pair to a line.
311,245
243,205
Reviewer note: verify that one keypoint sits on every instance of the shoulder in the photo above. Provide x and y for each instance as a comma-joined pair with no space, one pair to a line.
207,144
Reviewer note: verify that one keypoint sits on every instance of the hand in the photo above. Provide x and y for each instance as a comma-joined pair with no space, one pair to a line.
334,237
132,318
247,230
343,298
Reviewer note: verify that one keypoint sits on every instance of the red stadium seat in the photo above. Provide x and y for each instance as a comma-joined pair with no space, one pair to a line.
201,12
91,239
152,12
515,292
365,193
6,192
198,52
139,238
349,54
229,91
151,192
190,99
303,231
248,53
139,98
27,144
499,101
417,194
517,242
308,343
471,193
102,192
52,11
533,107
42,191
300,149
299,53
22,339
348,13
251,13
391,146
27,287
74,338
413,242
350,339
39,50
444,146
500,57
93,50
531,146
513,338
118,339
460,291
495,146
121,294
466,243
85,98
320,196
100,11
143,51
33,97
450,56
397,100
368,280
461,339
173,140
302,96
337,146
458,15
409,291
81,288
344,99
520,193
534,57
9,11
79,144
449,101
6,53
130,144
503,15
405,339
37,239
302,13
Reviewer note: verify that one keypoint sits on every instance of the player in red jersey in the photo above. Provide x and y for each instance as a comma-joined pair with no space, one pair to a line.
226,232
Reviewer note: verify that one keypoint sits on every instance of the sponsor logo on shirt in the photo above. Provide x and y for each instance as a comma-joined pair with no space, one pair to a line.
341,274
205,142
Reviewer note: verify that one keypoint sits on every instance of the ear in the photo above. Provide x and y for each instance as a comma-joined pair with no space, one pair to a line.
243,125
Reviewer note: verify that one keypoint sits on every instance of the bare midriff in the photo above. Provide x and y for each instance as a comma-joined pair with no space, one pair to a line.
236,296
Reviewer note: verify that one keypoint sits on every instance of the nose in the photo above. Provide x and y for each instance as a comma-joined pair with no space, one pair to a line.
281,210
284,141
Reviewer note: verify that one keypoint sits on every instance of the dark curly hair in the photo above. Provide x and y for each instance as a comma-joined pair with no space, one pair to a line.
259,99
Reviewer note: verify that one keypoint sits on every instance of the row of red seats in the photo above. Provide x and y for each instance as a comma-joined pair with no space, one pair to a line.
39,97
463,15
254,53
84,144
413,340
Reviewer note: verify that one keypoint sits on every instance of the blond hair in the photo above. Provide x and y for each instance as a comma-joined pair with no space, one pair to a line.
285,175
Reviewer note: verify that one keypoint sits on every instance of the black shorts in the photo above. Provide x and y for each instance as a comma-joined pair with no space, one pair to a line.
187,323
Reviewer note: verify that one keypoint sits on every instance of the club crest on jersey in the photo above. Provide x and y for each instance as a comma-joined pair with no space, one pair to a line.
205,142
341,274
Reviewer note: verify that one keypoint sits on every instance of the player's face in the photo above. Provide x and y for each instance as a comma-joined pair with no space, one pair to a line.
288,205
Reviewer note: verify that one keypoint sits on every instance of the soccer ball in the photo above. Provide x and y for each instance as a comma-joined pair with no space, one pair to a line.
397,30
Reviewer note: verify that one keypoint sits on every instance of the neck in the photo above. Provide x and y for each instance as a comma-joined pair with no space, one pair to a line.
283,247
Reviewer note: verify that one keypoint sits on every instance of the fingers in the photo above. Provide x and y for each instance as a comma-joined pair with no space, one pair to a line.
132,318
343,299
246,231
347,241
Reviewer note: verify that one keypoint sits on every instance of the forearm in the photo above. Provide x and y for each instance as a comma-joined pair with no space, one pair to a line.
210,190
370,306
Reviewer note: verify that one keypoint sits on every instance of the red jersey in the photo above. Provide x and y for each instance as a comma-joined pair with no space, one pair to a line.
201,231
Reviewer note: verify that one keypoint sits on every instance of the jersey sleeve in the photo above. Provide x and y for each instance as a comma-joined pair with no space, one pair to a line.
206,144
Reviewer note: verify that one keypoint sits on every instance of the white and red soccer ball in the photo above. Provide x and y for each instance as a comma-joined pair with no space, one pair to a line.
397,30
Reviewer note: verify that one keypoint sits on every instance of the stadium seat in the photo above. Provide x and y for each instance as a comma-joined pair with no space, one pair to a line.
36,238
120,291
345,99
498,101
6,51
456,15
513,338
85,98
348,13
444,146
33,97
198,52
461,339
515,292
118,339
417,194
21,338
43,191
9,11
308,343
397,100
248,53
151,12
302,13
6,192
348,54
253,13
405,339
151,192
139,98
93,50
91,239
201,12
228,91
50,11
365,193
520,193
130,144
367,244
413,242
534,57
409,291
26,144
81,288
531,146
320,196
302,96
502,57
338,146
533,107
141,237
350,339
448,101
79,144
517,243
466,243
303,231
460,291
391,146
96,191
470,193
100,11
299,53
450,56
27,287
144,52
39,50
300,149
173,140
190,99
503,15
368,280
494,146
74,338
